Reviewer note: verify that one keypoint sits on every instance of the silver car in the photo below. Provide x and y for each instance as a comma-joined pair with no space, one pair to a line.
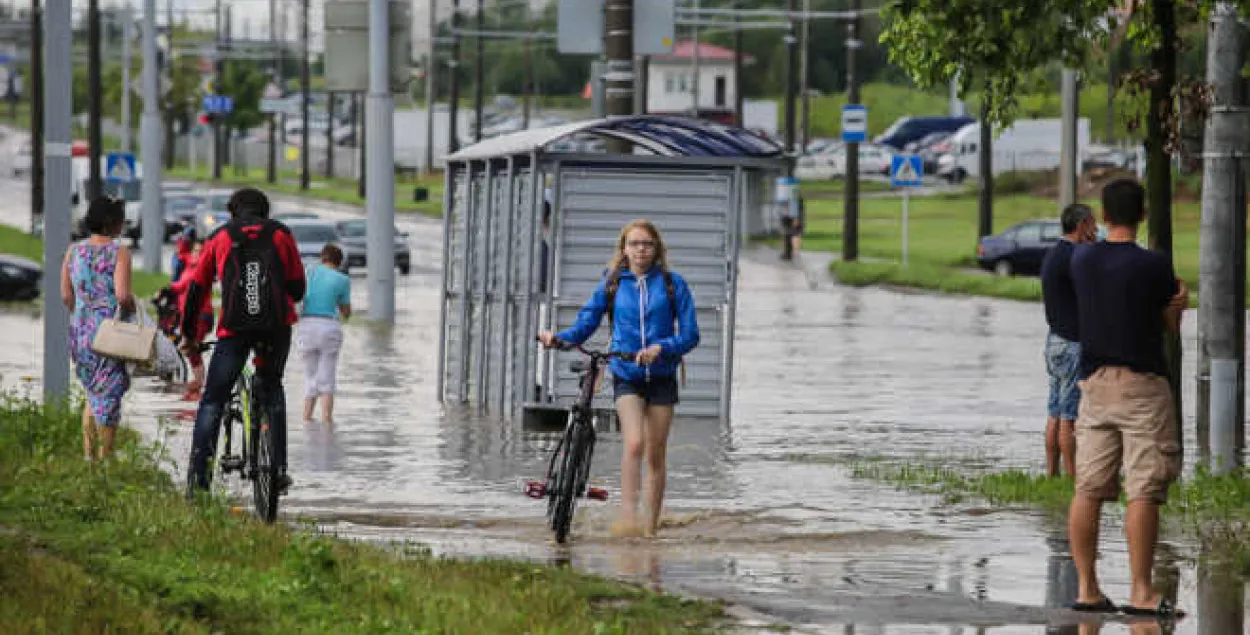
311,236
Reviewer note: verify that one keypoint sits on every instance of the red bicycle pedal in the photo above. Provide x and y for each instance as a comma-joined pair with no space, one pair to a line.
536,489
597,493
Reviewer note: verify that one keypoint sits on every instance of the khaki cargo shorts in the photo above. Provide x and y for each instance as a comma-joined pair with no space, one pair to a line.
1126,421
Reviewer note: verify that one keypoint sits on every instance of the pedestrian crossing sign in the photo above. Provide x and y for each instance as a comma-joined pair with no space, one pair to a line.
907,170
119,167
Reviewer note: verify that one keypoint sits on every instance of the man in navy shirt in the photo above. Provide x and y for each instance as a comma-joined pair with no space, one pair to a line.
1063,346
1126,297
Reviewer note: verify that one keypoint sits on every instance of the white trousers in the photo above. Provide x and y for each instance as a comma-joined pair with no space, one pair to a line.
319,341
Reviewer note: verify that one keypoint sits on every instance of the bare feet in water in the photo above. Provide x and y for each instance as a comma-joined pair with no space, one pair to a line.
626,527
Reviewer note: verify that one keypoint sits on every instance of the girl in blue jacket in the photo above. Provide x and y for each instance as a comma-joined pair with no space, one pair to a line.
652,312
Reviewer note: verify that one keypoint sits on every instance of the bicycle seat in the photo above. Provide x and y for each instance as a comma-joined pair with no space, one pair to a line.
579,366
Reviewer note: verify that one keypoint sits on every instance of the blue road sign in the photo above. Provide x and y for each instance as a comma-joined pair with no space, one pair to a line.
119,167
217,105
854,123
907,170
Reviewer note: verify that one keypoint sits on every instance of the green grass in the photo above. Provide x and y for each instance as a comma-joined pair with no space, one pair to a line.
833,188
1215,510
943,239
334,190
19,243
116,547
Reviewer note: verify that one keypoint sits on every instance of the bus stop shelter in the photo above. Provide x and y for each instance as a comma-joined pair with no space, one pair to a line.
530,221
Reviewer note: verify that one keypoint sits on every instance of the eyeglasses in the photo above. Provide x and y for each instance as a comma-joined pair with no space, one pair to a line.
641,244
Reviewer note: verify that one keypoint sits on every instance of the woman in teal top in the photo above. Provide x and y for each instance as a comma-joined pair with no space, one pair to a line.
329,296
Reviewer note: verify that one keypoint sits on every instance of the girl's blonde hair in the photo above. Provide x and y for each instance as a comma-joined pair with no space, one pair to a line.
620,260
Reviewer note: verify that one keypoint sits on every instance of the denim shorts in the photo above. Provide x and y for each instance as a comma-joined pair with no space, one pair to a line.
1063,365
659,391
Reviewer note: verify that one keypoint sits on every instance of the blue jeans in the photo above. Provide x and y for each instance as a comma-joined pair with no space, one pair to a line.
1063,365
229,356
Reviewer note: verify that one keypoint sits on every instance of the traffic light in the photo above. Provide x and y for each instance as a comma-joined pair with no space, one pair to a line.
203,119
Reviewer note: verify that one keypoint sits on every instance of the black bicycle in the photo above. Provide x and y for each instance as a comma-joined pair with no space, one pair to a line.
568,473
255,461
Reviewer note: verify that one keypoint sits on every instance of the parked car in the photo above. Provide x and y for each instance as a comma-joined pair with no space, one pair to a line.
181,210
1019,249
352,235
908,129
831,163
209,221
311,236
19,278
21,164
289,216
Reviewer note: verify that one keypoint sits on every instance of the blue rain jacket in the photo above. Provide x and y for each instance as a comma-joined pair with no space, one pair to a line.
641,317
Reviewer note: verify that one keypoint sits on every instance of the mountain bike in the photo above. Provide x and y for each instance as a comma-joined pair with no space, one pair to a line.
256,448
569,469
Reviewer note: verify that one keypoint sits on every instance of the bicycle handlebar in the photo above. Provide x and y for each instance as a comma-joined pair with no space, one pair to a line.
562,345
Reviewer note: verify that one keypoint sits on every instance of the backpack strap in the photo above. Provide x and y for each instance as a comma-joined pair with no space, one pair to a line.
671,289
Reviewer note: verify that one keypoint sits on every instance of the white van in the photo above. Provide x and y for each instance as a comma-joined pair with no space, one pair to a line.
1028,144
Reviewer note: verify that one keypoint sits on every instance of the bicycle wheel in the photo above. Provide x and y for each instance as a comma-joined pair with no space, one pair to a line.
264,466
573,465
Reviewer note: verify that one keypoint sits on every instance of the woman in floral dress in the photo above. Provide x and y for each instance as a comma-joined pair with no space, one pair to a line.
95,280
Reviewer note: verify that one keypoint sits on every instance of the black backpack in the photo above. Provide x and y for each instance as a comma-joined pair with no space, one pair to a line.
253,294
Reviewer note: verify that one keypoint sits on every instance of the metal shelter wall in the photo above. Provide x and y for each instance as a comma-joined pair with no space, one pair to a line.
698,211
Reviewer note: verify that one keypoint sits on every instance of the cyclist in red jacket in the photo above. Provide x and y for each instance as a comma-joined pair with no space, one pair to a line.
258,263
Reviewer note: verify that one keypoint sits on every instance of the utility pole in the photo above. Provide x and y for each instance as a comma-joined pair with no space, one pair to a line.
305,80
791,41
58,74
227,143
1070,95
380,224
431,91
221,75
453,99
479,70
850,194
127,18
36,84
170,148
694,61
361,183
739,119
618,47
95,103
805,74
527,87
153,225
1222,274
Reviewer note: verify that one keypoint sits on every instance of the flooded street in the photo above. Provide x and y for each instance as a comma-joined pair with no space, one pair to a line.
762,511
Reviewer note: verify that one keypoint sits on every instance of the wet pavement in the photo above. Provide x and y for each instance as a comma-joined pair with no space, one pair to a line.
761,511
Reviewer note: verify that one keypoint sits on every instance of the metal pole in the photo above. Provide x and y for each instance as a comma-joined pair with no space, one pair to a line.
1068,151
95,138
127,18
58,73
985,161
618,47
906,200
330,135
791,41
479,63
150,146
37,119
1222,277
850,195
738,45
527,87
271,170
805,75
169,139
305,79
380,227
364,151
453,99
694,62
431,91
220,69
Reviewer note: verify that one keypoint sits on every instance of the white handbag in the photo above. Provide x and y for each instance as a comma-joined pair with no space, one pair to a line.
125,341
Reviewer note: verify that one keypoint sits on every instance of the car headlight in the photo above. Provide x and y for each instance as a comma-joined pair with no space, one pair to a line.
12,272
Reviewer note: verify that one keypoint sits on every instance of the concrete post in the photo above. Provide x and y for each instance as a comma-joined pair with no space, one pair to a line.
150,146
380,227
1068,152
58,73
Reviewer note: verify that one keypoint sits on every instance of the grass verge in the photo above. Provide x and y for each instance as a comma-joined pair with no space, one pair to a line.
19,243
1213,509
96,548
333,190
935,278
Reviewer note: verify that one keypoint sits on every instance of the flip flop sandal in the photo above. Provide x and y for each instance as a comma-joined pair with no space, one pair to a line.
1105,605
1163,610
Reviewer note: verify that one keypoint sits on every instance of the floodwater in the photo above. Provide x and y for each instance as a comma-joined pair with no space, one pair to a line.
761,511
